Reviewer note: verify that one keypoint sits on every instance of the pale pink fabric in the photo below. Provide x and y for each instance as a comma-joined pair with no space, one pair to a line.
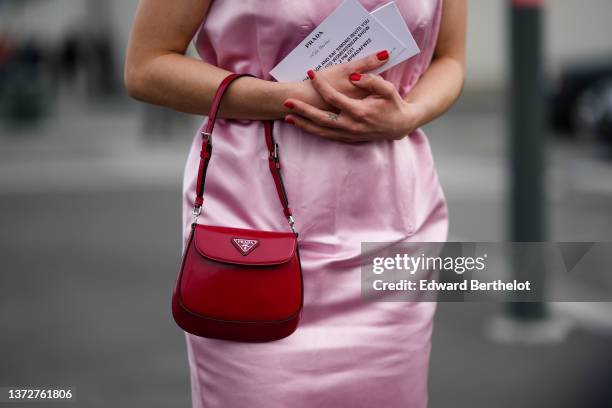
346,352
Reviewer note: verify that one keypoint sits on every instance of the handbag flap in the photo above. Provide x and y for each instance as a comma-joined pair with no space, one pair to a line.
244,246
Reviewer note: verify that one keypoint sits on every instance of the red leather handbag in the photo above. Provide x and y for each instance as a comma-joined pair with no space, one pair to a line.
239,284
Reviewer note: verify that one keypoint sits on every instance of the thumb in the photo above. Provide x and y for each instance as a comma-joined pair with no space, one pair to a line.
370,62
375,84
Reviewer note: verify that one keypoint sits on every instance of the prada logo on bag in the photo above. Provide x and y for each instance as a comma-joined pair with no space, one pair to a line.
245,246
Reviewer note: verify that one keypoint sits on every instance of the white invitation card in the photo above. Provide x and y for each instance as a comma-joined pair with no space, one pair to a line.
349,32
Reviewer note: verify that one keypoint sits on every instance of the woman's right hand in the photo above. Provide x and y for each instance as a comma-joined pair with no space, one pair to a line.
158,72
338,76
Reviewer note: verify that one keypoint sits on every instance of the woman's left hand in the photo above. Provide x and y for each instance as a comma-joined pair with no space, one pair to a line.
383,114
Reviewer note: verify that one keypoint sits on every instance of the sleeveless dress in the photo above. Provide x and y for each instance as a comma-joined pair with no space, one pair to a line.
346,352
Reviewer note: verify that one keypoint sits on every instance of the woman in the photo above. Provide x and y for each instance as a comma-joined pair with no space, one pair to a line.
364,175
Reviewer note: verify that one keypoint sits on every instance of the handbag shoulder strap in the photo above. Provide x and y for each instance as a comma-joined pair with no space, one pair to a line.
206,151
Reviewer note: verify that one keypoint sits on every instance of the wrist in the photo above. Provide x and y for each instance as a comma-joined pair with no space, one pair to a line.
413,116
283,91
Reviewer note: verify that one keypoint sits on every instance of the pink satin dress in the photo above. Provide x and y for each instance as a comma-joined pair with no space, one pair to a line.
346,352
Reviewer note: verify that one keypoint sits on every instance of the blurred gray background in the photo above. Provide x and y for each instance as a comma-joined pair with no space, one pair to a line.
90,204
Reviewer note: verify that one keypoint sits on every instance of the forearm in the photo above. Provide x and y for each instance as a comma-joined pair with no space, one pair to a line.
188,85
437,90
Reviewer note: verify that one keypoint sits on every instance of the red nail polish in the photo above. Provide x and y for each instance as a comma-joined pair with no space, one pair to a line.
290,121
289,105
355,76
383,55
310,74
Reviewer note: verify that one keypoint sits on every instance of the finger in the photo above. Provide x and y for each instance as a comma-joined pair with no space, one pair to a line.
370,62
318,116
375,84
334,97
311,127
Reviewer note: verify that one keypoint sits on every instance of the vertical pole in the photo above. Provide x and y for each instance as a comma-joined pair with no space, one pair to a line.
527,216
102,66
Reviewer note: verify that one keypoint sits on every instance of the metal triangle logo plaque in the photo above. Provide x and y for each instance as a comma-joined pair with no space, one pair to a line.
245,246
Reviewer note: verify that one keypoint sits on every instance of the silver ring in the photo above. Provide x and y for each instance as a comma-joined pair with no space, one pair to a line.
332,116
